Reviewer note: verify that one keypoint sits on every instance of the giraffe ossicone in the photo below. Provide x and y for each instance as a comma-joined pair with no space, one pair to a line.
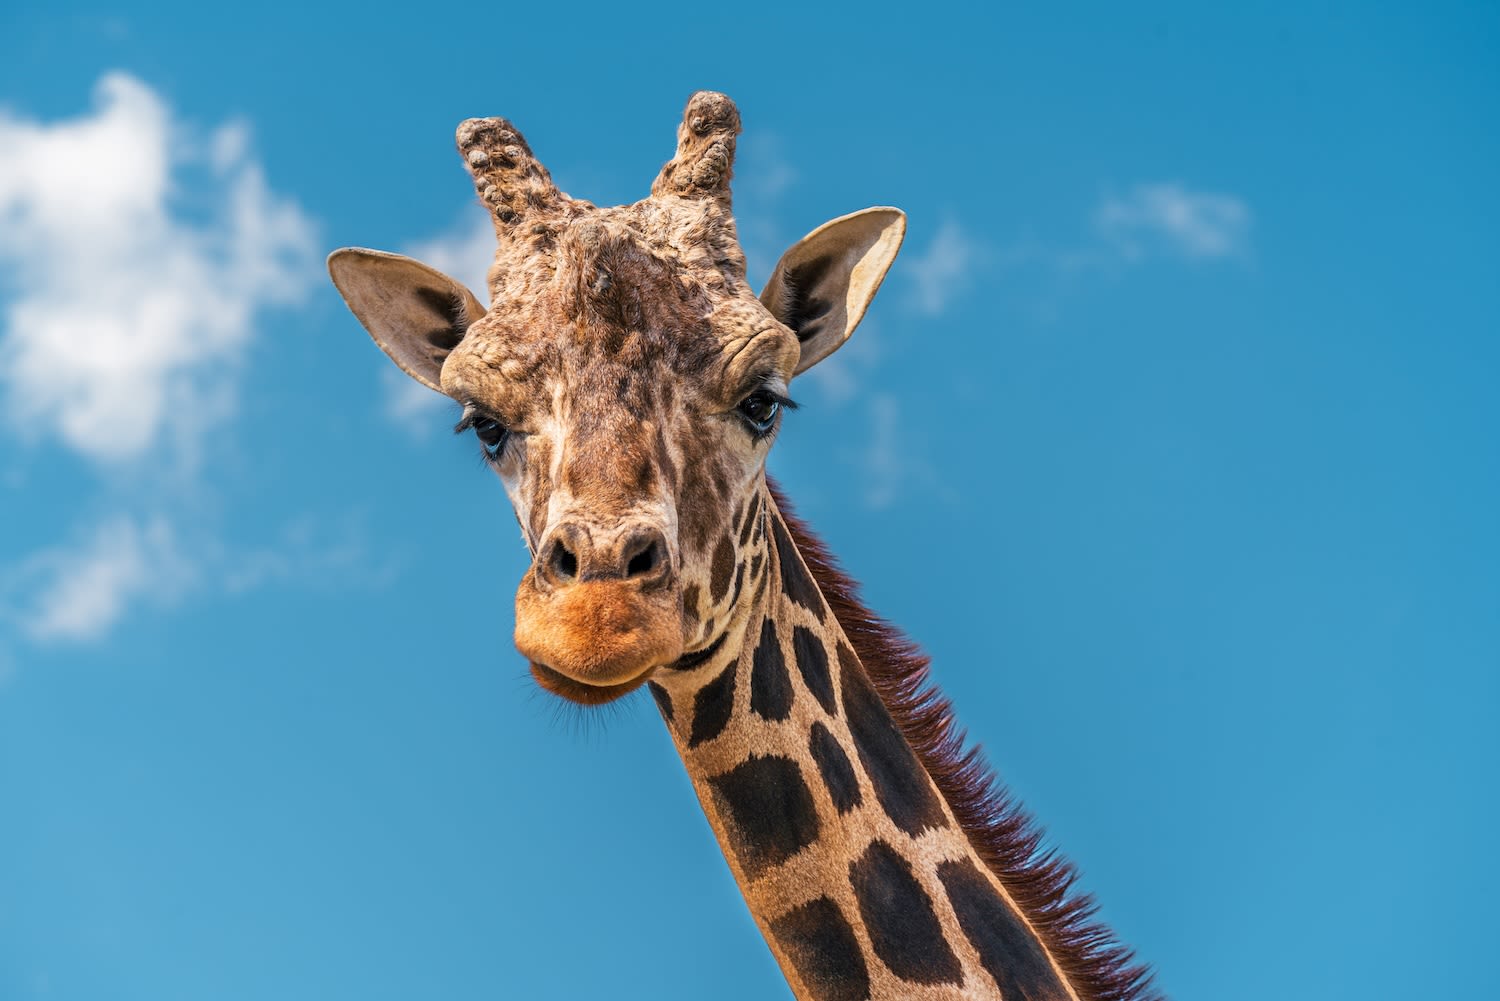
626,384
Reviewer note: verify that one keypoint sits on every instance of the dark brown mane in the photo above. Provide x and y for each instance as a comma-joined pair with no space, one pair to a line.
1003,834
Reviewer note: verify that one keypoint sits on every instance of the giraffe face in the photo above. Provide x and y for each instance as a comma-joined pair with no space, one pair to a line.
625,384
627,404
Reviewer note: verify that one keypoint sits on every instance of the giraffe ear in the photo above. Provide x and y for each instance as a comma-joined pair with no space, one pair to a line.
822,286
415,313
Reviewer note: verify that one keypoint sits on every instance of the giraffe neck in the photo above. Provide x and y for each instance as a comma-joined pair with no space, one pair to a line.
855,866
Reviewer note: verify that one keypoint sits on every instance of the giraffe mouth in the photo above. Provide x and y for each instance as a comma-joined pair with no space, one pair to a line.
595,641
587,695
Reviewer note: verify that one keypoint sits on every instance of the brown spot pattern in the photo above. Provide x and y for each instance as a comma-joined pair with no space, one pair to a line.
723,567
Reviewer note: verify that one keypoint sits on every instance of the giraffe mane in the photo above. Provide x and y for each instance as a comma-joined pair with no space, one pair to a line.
1004,835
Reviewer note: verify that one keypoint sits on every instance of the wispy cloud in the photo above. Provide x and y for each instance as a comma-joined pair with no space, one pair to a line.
78,591
884,469
763,176
137,253
894,458
764,170
408,404
1195,223
1156,220
306,551
856,364
945,269
1126,231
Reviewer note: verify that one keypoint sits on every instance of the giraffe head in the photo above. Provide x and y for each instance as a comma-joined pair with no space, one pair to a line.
625,383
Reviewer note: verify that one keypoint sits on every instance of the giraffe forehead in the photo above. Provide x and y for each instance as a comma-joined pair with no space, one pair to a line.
616,322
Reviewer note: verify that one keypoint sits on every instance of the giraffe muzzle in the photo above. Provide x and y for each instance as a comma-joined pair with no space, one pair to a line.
596,621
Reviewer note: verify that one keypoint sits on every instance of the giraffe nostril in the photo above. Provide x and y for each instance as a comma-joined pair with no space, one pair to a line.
642,562
570,557
562,562
645,555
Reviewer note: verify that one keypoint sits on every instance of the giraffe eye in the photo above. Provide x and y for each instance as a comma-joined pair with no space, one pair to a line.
759,410
492,436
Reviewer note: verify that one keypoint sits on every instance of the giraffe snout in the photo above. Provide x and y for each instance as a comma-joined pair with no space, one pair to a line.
600,610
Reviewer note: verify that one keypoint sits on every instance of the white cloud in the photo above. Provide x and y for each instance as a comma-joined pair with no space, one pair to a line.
1198,224
78,592
945,269
135,256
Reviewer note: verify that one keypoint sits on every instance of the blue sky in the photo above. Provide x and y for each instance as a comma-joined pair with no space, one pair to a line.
1172,437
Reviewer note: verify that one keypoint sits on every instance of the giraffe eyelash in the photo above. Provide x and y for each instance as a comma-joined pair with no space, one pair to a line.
472,416
468,419
787,403
771,386
762,429
493,433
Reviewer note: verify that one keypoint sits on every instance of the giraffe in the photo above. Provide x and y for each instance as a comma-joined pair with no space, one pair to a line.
626,383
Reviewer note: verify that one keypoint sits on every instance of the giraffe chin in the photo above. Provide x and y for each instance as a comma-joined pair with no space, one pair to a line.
594,641
585,695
